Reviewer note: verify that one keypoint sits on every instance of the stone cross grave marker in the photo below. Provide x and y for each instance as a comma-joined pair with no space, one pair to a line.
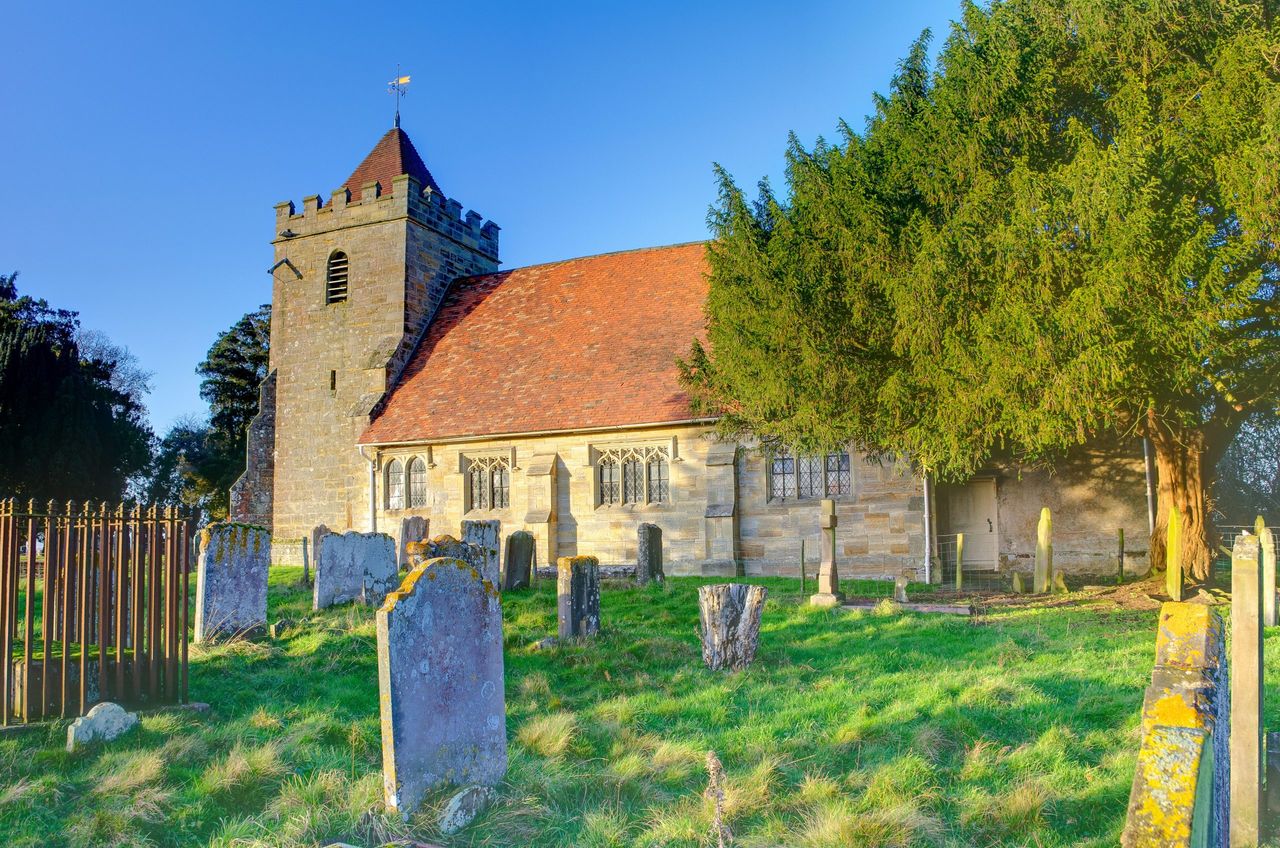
354,566
578,596
485,534
231,581
413,528
440,675
517,560
829,594
649,554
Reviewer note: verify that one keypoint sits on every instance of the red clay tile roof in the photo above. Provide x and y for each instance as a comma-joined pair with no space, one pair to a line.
572,345
393,155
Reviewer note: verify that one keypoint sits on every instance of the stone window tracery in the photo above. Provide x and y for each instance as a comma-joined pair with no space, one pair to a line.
489,482
644,472
395,484
417,483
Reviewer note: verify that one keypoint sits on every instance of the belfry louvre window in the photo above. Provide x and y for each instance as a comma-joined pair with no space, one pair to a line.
417,483
489,482
395,484
335,290
645,476
807,477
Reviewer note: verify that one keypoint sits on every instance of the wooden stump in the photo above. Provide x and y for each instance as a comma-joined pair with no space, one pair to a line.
730,618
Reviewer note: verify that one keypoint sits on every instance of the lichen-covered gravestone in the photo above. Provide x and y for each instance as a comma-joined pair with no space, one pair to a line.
412,529
231,581
517,560
485,534
440,679
472,554
578,596
649,554
355,566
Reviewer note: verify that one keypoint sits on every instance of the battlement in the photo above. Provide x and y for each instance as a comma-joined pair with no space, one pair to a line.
407,197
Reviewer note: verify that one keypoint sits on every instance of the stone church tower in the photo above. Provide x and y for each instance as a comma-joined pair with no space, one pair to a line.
355,283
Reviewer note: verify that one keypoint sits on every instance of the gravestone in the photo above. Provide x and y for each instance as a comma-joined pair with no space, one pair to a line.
900,588
517,560
1246,692
1043,575
485,534
649,554
829,594
413,528
440,675
578,596
231,581
317,533
471,554
355,566
103,723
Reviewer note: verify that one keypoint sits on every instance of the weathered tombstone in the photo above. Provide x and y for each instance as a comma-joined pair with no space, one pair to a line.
1044,553
729,614
473,555
355,566
829,594
1019,586
517,560
103,723
440,677
578,596
485,534
900,588
1246,692
231,581
649,554
317,533
1267,544
413,528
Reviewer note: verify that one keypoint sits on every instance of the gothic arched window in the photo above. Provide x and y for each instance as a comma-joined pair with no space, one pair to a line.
335,290
417,483
395,484
634,475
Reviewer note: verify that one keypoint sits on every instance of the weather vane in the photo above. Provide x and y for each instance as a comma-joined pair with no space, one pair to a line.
397,87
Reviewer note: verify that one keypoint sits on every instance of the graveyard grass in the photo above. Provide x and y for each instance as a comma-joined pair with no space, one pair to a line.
876,728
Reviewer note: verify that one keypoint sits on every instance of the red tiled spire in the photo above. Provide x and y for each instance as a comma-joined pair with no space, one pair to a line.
393,155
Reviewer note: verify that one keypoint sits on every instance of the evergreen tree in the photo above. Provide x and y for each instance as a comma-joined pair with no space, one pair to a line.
1065,229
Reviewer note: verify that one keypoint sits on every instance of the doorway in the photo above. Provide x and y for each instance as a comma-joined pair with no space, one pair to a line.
969,508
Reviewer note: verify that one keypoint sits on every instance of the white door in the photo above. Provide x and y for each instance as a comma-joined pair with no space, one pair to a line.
971,510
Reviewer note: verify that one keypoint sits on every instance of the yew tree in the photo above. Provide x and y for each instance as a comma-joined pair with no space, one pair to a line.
1063,228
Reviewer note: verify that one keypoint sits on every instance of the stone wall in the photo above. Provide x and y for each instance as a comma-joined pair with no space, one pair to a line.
334,362
252,495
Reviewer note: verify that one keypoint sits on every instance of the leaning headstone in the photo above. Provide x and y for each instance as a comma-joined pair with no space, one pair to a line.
104,722
473,555
355,566
317,533
517,560
440,683
231,581
1246,692
485,534
578,596
829,594
413,528
649,554
729,615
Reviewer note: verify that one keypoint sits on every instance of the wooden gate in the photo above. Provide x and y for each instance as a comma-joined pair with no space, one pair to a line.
93,607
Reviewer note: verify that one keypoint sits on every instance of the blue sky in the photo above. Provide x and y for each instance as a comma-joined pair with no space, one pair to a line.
143,146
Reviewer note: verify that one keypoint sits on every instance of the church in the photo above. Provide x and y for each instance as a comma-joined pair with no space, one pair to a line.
411,375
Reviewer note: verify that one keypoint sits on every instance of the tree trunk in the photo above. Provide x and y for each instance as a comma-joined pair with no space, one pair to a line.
1183,479
730,615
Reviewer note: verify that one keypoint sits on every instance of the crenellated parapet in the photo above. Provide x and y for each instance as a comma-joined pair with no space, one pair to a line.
406,197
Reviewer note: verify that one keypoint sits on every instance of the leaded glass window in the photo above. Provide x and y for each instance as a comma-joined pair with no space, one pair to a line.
839,475
417,483
632,481
659,486
500,477
809,477
782,477
395,484
609,491
479,487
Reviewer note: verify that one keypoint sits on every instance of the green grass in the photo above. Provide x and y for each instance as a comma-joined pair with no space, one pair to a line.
851,729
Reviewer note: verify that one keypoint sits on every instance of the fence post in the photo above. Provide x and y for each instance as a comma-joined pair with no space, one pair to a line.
1120,560
1246,693
959,561
1266,542
802,567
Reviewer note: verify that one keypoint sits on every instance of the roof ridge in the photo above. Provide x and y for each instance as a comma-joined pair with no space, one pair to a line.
579,258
